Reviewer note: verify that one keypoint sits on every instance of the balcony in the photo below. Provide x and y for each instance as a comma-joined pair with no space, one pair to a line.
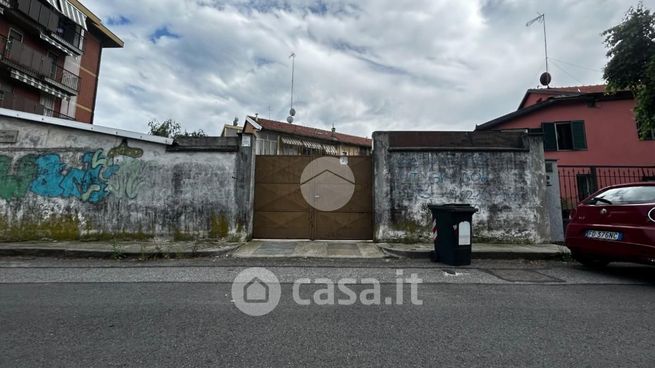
38,12
10,101
29,61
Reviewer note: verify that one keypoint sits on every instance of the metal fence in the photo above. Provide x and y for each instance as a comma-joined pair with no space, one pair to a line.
577,182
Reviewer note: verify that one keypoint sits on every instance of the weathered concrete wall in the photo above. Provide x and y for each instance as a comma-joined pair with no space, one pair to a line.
501,174
554,202
65,183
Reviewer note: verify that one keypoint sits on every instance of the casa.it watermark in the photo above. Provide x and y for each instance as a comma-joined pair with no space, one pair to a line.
256,291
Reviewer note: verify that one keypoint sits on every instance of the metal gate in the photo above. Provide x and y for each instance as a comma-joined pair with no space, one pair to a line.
309,197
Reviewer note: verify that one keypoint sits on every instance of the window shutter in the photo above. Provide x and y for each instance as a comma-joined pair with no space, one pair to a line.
579,139
550,137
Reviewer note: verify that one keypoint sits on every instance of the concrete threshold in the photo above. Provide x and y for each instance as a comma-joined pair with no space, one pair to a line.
308,249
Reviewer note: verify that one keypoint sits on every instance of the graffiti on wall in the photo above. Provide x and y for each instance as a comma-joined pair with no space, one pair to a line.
15,183
118,172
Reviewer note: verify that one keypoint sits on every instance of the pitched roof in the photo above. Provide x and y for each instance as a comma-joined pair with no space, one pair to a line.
309,132
595,88
555,100
563,91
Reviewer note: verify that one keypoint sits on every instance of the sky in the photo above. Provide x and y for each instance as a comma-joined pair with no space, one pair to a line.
362,65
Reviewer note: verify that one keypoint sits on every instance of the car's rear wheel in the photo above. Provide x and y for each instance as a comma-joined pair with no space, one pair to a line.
590,261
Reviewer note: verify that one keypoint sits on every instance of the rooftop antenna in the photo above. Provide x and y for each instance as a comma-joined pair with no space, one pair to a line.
545,77
292,111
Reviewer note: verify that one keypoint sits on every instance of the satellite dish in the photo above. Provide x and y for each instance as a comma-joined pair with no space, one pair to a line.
292,112
290,119
545,79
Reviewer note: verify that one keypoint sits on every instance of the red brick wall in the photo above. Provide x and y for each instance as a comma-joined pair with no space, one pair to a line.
89,67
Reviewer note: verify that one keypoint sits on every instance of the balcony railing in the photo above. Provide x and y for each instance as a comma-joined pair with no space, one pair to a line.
38,12
10,101
27,59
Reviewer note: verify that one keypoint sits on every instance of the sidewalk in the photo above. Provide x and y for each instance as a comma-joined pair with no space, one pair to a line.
482,251
118,249
268,249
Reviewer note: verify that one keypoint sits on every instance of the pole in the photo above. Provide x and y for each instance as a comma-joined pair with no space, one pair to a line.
545,43
293,68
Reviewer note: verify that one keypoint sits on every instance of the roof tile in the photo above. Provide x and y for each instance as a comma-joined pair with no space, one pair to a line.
309,132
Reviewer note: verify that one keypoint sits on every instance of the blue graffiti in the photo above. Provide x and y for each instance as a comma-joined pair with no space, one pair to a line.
89,183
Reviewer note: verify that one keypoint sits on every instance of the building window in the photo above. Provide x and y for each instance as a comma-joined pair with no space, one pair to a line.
564,136
70,32
15,36
266,147
48,103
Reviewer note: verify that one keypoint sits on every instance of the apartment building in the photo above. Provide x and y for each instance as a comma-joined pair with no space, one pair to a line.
50,57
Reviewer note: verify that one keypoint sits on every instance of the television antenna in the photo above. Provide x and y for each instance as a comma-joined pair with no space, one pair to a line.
545,77
292,111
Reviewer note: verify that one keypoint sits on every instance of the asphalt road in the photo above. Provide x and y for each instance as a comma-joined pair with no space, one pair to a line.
73,313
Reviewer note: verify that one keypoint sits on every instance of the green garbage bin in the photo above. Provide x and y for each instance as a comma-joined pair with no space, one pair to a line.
453,231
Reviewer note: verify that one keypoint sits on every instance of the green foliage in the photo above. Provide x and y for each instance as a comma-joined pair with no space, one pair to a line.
645,105
631,66
170,128
197,133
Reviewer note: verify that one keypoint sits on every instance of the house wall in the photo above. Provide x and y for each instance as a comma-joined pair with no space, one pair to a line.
63,183
89,69
508,188
610,131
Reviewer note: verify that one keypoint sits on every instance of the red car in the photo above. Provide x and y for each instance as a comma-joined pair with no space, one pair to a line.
616,223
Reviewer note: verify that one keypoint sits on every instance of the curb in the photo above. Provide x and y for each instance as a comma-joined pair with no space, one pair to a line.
405,253
100,253
480,254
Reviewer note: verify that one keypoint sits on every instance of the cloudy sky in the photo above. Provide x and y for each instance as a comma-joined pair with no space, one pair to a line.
362,65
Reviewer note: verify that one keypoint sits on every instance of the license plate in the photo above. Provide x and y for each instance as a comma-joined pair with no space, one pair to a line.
603,235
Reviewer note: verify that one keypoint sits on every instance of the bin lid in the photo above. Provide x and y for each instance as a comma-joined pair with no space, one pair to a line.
453,207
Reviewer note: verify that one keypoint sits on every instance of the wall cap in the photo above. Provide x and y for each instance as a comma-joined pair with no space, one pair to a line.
26,116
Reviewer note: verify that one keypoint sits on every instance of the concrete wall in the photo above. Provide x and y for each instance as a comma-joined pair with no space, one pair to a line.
501,174
64,183
554,202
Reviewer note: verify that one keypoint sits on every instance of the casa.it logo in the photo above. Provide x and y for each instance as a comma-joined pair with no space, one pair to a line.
327,183
256,291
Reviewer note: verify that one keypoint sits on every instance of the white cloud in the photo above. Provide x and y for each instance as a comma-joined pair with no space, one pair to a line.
362,65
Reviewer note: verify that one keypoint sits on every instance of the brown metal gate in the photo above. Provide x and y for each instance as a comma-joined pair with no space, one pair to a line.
281,211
